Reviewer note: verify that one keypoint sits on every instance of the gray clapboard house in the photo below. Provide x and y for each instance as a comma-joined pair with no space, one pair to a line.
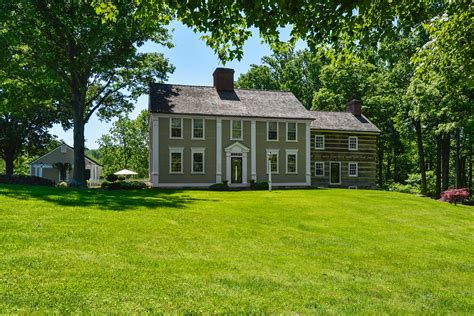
201,135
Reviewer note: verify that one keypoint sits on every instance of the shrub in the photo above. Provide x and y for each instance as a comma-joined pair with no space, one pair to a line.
111,177
105,184
63,184
259,186
126,185
23,179
121,178
404,188
455,195
219,186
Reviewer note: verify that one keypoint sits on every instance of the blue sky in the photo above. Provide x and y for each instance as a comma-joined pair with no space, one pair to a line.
194,62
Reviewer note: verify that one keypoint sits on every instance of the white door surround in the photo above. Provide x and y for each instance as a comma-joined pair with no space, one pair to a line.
236,149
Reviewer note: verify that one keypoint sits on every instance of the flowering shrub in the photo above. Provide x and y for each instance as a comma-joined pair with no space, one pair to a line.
455,195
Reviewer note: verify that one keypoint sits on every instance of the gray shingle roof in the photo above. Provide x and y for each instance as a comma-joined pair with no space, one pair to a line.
198,100
342,121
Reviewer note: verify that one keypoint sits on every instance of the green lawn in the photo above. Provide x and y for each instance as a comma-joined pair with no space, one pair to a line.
301,251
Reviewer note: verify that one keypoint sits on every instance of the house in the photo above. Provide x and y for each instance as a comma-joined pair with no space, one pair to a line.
58,165
201,135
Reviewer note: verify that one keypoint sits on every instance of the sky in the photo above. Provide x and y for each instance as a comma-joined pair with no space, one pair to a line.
194,61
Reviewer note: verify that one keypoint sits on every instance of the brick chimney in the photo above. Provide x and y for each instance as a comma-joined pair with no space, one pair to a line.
224,79
355,107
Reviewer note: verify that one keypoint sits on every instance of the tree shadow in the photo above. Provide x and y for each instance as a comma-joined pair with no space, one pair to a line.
101,199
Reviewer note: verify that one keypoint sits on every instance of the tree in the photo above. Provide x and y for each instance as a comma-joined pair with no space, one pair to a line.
126,145
94,61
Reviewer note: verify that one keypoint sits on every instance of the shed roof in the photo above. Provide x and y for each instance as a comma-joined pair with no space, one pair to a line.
200,100
342,121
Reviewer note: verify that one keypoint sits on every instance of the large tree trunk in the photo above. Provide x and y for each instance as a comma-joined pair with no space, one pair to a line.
445,161
9,164
458,181
421,154
470,172
438,165
78,176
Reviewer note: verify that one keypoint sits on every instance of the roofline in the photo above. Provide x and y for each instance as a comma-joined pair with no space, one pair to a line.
212,87
85,156
351,131
240,116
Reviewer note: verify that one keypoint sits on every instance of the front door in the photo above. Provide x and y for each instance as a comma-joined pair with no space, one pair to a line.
236,169
335,173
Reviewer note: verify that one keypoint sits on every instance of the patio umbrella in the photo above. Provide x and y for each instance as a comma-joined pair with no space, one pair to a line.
125,172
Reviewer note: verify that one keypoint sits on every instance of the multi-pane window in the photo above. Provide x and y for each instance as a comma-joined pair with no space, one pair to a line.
353,143
176,127
319,142
197,160
198,128
291,161
291,133
236,130
353,169
272,130
273,160
319,169
176,160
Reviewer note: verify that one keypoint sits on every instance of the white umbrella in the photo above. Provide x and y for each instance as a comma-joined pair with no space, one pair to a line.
125,172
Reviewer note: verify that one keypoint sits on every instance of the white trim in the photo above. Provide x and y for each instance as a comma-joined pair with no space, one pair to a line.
253,150
277,152
277,130
198,150
241,130
330,171
203,129
308,153
230,117
324,142
296,132
176,150
218,151
319,175
155,154
44,166
171,120
291,152
236,148
349,143
349,169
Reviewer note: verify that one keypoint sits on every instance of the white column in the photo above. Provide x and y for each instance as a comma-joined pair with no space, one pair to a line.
40,173
253,150
219,151
244,168
227,167
308,153
155,173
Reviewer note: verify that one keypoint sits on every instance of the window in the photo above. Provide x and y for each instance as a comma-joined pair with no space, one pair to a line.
198,129
292,161
291,132
197,160
176,160
319,169
353,169
63,148
176,127
319,142
353,143
236,130
273,153
272,130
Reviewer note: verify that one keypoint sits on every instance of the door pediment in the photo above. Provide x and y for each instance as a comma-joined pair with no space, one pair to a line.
236,148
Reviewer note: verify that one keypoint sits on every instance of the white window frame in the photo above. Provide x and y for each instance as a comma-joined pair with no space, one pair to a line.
176,150
63,148
349,169
324,142
277,130
171,127
319,175
356,143
198,150
241,130
296,132
203,130
277,153
291,152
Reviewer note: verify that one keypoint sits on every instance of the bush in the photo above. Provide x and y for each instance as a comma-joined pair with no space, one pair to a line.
23,179
219,186
125,185
111,177
259,185
105,184
404,188
63,184
455,195
121,178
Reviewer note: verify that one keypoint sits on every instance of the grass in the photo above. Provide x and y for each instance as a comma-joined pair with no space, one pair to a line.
301,251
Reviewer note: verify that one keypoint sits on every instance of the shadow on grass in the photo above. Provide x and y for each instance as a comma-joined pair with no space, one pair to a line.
101,199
